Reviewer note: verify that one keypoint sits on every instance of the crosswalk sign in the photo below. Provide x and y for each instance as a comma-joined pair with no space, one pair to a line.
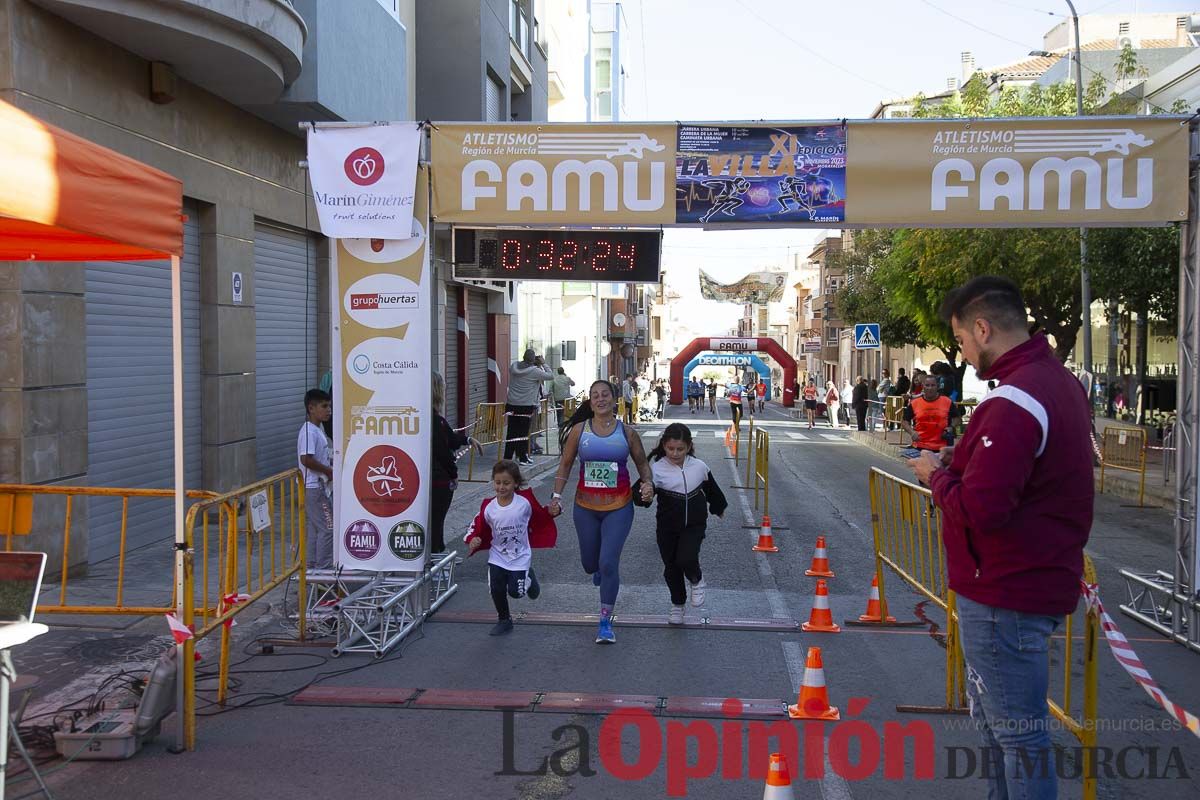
866,336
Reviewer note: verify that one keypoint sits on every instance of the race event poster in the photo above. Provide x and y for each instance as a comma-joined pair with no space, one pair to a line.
726,174
382,397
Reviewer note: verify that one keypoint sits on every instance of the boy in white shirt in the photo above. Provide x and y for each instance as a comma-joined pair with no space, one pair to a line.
316,465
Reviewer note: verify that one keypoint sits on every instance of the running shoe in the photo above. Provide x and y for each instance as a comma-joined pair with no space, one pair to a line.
502,627
698,593
525,462
676,615
534,589
604,634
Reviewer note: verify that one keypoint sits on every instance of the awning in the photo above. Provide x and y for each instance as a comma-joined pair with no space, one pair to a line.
63,198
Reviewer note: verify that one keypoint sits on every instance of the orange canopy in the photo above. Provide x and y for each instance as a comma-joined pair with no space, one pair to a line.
63,198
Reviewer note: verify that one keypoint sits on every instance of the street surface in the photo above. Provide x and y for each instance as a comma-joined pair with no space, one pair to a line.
819,487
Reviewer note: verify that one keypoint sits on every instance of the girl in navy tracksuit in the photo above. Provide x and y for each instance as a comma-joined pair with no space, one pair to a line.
686,493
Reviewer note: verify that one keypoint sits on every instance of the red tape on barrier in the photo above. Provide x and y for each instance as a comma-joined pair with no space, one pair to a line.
1128,659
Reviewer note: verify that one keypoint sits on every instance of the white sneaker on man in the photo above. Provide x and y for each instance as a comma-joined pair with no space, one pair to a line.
698,593
676,615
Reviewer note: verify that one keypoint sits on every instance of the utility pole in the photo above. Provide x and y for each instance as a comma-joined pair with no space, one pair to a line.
1085,278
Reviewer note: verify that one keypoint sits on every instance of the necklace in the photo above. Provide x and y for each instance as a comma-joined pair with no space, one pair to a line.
604,424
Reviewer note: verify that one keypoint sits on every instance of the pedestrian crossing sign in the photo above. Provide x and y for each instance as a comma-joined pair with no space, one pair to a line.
866,336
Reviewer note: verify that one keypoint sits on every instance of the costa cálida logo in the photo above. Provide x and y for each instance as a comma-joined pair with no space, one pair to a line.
364,166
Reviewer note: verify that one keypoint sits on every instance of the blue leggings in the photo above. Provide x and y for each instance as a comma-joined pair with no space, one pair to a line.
602,535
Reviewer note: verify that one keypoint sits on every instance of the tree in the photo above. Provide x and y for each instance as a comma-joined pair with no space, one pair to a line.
863,298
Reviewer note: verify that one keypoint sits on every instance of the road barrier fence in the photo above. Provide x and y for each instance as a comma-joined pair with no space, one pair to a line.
1123,448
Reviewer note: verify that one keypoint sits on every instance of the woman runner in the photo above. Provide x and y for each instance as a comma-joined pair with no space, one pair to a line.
603,512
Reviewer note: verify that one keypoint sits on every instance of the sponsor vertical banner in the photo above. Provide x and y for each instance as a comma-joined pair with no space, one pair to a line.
978,172
364,179
382,397
523,174
792,174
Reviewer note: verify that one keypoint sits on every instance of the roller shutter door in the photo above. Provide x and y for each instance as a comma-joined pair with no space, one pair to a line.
477,373
285,341
450,345
129,392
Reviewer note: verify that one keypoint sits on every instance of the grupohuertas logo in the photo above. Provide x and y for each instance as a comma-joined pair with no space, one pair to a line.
1005,182
548,190
364,166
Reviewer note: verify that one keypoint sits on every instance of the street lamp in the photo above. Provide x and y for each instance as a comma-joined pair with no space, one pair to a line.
1085,278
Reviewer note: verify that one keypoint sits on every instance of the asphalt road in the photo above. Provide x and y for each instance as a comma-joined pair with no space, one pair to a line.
818,487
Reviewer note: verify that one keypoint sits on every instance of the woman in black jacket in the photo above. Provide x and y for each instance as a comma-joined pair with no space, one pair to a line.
446,442
686,493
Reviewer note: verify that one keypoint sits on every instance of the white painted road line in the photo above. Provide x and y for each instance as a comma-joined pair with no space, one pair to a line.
799,437
835,437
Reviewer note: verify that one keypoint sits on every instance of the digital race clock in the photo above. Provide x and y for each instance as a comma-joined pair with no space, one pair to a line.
557,255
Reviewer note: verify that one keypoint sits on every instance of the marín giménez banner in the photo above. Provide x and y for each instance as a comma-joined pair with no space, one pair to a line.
793,174
364,179
758,288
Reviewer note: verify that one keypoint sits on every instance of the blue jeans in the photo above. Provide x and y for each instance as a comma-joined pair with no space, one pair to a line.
1008,675
602,536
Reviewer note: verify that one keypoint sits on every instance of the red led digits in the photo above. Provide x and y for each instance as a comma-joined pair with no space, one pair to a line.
601,255
626,256
545,255
569,258
510,254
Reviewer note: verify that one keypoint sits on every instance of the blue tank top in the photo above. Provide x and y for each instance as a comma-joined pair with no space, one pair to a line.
604,483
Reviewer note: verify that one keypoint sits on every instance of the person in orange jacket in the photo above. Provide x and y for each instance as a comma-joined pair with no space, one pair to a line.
508,526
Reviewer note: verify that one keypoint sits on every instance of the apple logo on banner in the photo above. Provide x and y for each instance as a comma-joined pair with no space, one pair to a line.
364,166
386,251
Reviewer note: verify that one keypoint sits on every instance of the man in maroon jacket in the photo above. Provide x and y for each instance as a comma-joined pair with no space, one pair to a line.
1016,501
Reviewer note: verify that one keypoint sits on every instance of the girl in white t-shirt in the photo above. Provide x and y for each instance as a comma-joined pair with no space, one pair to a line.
509,525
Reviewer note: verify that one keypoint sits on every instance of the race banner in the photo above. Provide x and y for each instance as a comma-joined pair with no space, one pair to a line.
794,174
758,288
978,172
382,397
544,174
364,179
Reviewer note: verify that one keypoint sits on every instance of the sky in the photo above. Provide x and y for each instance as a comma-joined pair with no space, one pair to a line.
694,60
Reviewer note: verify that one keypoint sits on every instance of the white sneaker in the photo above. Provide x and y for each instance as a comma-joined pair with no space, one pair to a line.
676,615
698,593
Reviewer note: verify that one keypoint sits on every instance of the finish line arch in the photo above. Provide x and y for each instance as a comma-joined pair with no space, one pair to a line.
742,361
718,345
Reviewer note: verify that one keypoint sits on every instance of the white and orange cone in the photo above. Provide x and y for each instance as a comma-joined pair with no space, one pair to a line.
820,562
766,541
874,612
813,702
779,780
820,619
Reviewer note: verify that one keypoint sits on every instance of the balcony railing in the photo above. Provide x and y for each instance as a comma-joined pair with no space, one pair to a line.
518,27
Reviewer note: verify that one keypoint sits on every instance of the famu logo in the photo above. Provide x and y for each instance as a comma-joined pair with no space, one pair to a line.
1022,186
406,540
536,185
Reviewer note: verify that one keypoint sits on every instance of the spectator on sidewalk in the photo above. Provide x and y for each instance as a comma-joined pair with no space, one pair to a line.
445,442
902,383
315,457
525,378
846,398
660,391
628,392
929,420
858,399
1016,499
831,403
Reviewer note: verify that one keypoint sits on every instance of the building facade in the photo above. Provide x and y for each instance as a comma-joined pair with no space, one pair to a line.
212,94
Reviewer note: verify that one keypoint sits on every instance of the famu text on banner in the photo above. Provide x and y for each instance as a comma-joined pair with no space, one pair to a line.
1017,172
548,174
364,179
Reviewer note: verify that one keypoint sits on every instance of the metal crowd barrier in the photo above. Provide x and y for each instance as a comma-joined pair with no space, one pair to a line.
762,468
489,429
18,503
1124,449
893,415
966,409
908,538
261,544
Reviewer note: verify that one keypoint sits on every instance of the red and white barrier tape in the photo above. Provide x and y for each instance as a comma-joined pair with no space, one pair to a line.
1128,659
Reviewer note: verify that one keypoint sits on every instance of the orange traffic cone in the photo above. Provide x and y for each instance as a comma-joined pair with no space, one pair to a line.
766,542
779,781
874,614
820,562
813,702
820,618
